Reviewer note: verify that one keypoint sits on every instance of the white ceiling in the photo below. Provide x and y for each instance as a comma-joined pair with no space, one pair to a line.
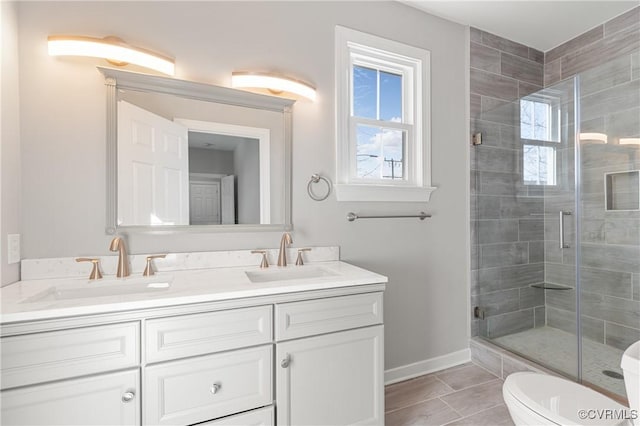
213,141
542,25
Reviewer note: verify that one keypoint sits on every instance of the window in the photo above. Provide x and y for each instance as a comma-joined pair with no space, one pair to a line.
382,119
539,124
539,165
536,121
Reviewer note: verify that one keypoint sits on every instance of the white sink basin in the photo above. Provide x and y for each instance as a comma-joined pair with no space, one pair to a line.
104,287
289,273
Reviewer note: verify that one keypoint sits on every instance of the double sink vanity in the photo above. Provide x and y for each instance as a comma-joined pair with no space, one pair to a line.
210,337
232,345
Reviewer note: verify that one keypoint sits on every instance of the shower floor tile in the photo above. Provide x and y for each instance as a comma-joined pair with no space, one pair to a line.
557,349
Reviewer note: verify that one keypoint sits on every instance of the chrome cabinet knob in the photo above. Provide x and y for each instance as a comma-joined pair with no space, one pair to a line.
286,361
128,396
215,388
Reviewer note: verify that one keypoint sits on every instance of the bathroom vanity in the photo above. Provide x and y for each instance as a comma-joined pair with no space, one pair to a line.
232,346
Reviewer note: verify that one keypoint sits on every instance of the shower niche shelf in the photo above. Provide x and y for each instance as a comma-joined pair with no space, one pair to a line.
622,190
551,286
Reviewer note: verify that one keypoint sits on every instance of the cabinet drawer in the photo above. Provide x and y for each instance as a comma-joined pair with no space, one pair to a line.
42,357
307,318
204,388
97,400
260,417
199,334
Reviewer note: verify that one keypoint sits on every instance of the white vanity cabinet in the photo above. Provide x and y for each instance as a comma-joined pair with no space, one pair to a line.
44,376
333,377
211,365
106,399
304,357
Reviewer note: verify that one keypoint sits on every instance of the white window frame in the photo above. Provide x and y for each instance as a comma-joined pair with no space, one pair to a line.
362,49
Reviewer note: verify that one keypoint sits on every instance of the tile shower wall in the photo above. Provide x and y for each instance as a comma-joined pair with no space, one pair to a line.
507,235
608,60
506,239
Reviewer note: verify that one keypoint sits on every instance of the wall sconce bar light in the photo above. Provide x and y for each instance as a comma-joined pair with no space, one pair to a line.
273,85
593,137
112,49
629,141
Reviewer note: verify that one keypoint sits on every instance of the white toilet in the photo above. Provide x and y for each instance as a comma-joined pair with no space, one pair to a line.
540,399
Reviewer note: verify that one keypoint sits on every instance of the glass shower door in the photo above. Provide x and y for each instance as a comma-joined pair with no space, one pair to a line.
523,222
610,220
555,189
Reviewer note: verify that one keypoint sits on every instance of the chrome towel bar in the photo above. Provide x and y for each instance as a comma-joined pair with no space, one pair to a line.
353,216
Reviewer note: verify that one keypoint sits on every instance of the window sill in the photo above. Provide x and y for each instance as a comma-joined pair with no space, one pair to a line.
346,192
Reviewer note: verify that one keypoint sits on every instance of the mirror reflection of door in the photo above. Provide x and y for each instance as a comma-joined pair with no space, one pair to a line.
153,175
233,162
204,203
180,172
228,200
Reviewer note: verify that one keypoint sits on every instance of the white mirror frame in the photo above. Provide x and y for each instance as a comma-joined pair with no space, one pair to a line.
118,79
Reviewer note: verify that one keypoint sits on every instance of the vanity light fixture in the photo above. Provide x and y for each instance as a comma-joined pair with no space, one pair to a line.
593,137
113,49
629,141
271,84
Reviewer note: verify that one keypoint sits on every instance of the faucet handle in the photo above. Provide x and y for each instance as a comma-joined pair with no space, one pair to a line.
95,271
265,262
299,260
148,269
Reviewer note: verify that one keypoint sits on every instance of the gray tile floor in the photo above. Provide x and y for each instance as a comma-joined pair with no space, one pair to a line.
462,395
558,350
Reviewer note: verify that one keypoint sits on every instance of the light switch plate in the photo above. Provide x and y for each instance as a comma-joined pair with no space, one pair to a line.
13,248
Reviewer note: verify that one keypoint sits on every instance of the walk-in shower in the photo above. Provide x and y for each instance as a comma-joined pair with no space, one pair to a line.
555,189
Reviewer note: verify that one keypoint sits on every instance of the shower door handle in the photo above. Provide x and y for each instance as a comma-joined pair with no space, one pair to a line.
563,245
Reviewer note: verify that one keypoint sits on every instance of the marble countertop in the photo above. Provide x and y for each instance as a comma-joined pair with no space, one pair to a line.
42,299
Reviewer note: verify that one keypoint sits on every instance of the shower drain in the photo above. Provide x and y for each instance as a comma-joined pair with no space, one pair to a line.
613,374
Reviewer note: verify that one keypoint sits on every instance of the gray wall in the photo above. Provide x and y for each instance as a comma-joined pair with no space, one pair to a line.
10,146
507,240
62,124
203,160
246,160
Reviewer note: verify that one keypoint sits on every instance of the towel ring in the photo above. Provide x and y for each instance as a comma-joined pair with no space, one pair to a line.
315,178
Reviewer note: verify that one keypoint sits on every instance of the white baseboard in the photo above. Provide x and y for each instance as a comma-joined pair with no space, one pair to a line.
426,366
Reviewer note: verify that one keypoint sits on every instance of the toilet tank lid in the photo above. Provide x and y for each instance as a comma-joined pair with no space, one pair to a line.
631,359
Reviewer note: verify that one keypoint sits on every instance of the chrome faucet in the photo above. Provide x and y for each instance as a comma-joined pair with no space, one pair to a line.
282,255
117,244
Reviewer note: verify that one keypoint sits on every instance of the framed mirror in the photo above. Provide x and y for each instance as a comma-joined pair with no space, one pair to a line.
186,156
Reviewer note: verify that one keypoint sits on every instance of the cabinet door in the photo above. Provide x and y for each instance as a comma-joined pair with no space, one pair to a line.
108,399
334,379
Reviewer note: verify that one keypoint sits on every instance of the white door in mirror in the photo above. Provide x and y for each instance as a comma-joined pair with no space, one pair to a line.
153,168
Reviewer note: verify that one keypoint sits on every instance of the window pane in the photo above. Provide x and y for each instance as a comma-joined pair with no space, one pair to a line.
368,152
393,142
541,123
539,165
536,121
390,97
380,153
526,119
365,86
